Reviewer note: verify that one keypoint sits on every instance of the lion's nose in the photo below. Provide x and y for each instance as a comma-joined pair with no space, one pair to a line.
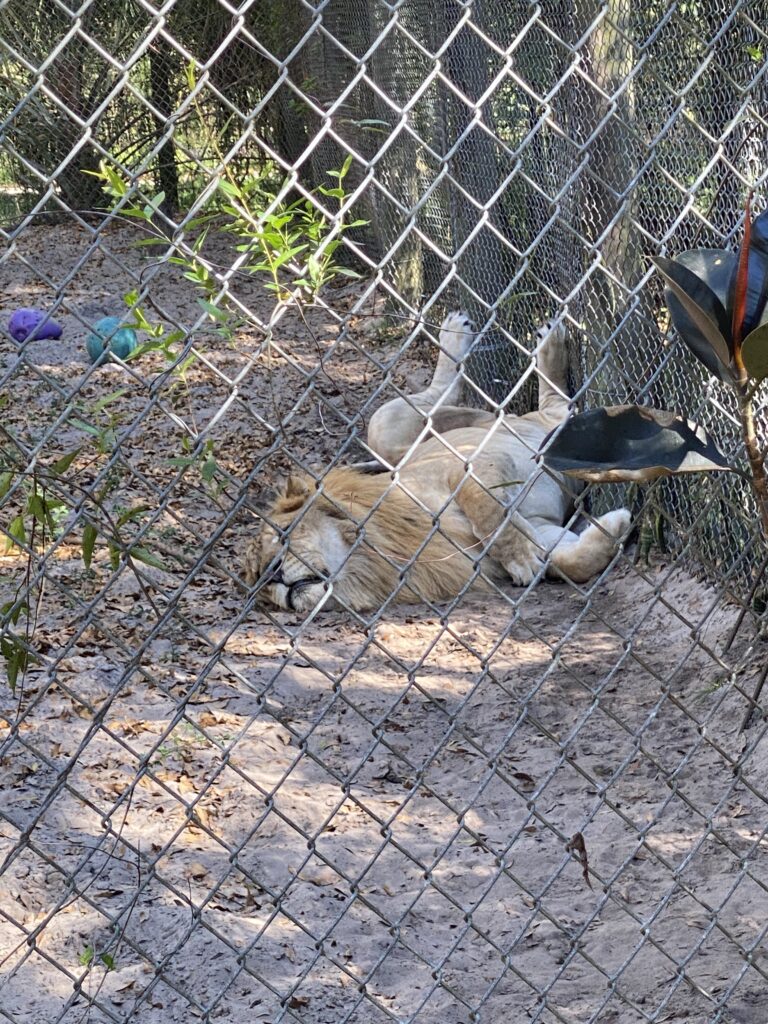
276,575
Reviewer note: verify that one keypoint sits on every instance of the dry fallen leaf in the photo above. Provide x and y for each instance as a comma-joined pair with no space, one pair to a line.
321,876
577,846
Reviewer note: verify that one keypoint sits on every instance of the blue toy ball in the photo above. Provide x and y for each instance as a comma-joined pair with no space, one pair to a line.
109,336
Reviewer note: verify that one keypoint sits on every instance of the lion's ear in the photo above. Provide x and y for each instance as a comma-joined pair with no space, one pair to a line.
298,485
295,485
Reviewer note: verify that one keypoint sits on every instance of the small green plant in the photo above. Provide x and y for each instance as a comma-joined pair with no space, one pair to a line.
292,244
203,459
90,956
102,422
37,520
182,743
15,652
39,498
41,513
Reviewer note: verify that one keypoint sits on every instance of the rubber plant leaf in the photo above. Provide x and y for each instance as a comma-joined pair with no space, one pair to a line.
716,268
754,352
631,442
756,284
703,308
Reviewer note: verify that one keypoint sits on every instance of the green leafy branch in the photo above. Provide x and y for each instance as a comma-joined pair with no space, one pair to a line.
40,497
293,244
296,237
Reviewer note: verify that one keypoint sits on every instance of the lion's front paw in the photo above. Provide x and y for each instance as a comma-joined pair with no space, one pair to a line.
523,570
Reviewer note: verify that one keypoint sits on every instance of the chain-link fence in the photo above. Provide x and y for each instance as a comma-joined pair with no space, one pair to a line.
544,802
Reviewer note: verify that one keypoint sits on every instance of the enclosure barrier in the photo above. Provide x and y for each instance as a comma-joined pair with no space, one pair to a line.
540,803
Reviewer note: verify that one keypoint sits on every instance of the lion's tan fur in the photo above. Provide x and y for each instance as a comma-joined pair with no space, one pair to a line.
389,533
360,540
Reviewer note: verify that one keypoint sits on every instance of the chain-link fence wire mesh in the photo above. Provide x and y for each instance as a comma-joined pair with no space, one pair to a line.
538,804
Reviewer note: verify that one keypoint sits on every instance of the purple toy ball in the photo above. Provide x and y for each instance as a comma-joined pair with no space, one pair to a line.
32,325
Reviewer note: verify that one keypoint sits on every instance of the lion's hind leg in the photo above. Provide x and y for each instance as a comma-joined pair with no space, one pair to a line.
398,423
552,369
523,546
580,556
515,545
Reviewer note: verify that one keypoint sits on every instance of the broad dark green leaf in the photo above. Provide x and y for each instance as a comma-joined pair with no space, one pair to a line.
754,352
760,232
757,279
710,339
757,276
631,442
715,268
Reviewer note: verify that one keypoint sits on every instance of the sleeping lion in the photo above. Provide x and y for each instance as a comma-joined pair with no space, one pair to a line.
355,539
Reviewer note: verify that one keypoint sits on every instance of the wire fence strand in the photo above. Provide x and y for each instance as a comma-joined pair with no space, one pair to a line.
544,802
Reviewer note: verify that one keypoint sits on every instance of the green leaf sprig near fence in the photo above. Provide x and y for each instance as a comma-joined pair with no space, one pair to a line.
294,244
39,495
291,247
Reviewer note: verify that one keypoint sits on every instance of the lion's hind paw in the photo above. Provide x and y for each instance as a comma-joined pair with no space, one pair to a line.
456,335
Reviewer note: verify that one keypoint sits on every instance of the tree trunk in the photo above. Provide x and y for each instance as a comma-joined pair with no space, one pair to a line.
602,115
161,71
79,191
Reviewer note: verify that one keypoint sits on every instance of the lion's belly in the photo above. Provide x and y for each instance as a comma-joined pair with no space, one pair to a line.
436,468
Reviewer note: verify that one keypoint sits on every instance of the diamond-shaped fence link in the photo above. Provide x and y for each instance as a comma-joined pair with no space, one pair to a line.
544,802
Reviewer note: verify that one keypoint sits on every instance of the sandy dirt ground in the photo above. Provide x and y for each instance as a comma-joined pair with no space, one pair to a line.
534,806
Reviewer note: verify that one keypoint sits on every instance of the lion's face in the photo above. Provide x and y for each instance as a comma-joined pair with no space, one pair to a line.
297,557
